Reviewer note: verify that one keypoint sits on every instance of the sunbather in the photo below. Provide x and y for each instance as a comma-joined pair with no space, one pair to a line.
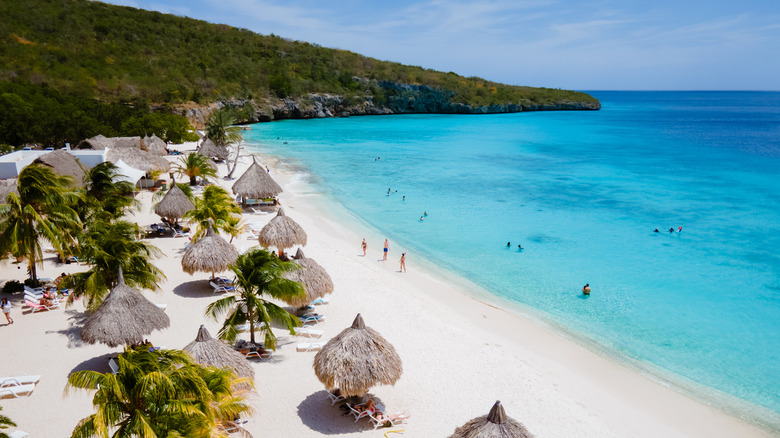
383,418
367,406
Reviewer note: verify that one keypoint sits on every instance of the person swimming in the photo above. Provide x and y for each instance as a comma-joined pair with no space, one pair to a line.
508,244
422,218
519,247
679,230
425,213
656,230
586,289
404,198
671,230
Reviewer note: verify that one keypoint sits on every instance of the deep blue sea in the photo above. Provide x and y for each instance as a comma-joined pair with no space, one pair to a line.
583,191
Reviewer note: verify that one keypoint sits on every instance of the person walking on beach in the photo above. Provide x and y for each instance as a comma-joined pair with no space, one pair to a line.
364,245
387,248
403,263
6,306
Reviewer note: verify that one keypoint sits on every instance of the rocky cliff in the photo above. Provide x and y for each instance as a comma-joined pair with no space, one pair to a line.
396,99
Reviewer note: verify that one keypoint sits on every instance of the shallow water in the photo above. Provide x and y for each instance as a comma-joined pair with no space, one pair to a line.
582,192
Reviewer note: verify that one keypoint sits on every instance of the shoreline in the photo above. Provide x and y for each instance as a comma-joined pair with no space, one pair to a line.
699,396
459,354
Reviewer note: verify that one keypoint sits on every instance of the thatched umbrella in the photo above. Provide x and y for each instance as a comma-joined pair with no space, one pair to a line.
155,145
496,424
211,150
215,353
282,233
256,183
63,163
174,204
124,317
315,280
357,359
211,253
98,142
138,158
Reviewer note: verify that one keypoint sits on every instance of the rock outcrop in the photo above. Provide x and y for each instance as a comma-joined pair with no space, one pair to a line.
397,99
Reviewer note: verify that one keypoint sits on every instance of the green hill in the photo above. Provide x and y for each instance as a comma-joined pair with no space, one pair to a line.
82,51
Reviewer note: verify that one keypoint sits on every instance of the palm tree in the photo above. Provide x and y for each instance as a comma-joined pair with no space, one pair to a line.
216,207
234,226
107,247
42,209
105,193
161,393
220,129
258,273
195,165
4,423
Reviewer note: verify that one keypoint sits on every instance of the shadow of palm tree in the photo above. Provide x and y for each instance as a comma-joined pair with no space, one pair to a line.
76,320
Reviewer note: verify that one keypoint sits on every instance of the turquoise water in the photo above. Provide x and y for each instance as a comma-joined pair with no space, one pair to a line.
582,192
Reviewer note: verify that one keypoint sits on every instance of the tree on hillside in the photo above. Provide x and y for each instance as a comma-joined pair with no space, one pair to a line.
195,165
41,210
106,247
258,274
215,207
159,394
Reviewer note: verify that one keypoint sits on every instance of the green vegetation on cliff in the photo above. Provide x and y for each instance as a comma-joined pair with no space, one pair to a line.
92,50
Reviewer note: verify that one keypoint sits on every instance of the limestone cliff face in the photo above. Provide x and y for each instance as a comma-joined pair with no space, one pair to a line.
397,99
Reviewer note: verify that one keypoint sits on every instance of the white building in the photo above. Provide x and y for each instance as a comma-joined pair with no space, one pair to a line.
13,163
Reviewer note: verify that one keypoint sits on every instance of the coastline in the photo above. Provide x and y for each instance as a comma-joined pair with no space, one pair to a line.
459,354
666,396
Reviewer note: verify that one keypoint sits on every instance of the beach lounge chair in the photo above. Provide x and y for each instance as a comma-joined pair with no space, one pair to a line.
320,301
18,434
264,355
180,233
114,365
17,390
334,398
38,307
19,379
33,297
33,290
358,414
161,306
311,318
310,346
308,332
395,419
221,288
258,211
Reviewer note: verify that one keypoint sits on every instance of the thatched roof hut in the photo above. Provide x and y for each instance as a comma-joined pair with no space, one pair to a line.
315,280
63,163
98,142
124,317
211,150
282,233
496,424
8,186
174,204
208,351
128,142
138,158
211,253
256,183
357,359
155,145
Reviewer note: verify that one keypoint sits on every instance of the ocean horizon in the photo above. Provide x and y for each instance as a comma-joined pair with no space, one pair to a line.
583,193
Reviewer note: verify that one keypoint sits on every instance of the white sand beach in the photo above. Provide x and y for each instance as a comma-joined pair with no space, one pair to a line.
459,354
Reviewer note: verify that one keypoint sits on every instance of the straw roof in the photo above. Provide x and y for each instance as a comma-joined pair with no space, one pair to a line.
98,142
124,317
174,204
496,424
281,232
256,183
211,253
155,145
315,280
208,351
8,186
357,359
211,150
127,142
138,158
63,163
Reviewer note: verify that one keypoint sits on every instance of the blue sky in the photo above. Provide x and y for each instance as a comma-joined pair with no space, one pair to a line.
583,45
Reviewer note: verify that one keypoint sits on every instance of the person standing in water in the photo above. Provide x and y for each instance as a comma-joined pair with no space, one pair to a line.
403,263
364,245
586,289
508,244
387,248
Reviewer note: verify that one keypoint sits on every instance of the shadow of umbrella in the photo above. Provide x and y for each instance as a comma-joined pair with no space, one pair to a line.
97,363
316,412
